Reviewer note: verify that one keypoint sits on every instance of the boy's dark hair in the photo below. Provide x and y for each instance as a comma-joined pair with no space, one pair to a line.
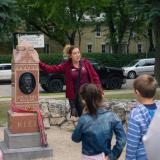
146,85
92,96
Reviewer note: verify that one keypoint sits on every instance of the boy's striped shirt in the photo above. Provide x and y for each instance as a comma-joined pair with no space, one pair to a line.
138,123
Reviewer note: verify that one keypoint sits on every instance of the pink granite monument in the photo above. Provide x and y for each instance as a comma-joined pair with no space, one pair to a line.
24,137
25,89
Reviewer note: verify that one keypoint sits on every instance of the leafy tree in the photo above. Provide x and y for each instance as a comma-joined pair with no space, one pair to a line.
59,20
8,18
155,17
151,12
117,20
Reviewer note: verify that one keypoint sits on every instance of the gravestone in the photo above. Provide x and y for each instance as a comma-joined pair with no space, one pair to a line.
22,137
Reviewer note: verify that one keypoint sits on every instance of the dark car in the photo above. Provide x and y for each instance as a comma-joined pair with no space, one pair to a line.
111,78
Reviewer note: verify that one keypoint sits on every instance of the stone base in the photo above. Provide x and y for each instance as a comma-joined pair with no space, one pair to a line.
24,146
25,140
25,153
22,122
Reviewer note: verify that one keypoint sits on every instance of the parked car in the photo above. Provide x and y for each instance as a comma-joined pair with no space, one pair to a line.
139,67
5,72
111,78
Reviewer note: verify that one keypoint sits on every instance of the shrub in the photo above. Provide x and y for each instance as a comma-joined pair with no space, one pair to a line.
112,60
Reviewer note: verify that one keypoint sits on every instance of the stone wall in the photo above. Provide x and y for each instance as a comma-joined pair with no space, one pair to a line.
56,112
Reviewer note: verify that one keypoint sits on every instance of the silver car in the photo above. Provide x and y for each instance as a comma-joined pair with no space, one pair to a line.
139,67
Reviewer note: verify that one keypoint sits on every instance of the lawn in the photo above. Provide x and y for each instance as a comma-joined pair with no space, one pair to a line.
4,105
107,94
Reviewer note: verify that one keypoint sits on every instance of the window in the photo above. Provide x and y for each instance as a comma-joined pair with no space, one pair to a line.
46,48
133,34
89,48
98,31
103,48
149,63
140,63
7,67
139,48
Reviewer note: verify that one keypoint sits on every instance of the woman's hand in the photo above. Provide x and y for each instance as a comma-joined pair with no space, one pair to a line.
74,119
106,158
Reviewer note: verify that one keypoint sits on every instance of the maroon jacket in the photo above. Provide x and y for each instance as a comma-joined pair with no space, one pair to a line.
66,69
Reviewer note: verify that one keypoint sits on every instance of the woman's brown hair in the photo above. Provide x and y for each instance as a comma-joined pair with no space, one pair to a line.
92,97
67,51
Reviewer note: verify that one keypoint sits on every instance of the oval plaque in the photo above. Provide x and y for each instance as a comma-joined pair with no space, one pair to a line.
27,83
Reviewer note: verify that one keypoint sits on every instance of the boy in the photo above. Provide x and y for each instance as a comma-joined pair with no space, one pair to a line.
140,117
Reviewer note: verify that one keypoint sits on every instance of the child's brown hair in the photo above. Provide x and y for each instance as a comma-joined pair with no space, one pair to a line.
146,85
92,97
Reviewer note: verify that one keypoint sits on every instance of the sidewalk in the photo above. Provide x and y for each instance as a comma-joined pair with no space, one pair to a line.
63,147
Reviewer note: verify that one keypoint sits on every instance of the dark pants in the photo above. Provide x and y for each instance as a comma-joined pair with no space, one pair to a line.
76,110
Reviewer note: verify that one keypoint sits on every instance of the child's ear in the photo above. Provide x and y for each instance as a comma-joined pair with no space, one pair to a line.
136,92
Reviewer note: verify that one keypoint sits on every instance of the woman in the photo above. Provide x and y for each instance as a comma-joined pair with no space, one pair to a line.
77,71
96,126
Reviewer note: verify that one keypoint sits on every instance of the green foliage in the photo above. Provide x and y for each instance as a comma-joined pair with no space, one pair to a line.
5,58
150,10
117,19
8,19
116,60
112,60
59,20
51,58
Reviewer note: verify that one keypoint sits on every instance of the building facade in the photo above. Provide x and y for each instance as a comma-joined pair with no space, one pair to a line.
94,40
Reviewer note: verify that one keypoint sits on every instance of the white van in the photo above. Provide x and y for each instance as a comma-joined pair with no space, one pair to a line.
139,67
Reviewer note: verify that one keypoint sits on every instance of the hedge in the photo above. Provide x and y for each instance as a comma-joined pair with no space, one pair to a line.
113,60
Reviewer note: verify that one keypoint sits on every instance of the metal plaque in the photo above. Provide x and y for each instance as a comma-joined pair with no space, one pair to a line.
27,83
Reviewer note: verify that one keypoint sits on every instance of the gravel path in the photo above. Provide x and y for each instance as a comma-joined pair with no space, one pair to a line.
63,147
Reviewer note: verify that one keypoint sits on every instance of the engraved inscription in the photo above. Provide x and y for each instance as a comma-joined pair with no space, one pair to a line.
26,124
26,67
27,98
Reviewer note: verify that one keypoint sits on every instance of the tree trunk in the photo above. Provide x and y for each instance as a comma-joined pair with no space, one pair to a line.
151,45
130,33
114,48
157,47
79,37
72,37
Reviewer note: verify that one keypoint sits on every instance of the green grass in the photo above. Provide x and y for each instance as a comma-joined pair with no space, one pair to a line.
119,96
52,94
126,96
4,107
107,94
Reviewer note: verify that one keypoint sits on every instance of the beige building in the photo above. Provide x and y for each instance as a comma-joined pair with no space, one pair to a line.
94,40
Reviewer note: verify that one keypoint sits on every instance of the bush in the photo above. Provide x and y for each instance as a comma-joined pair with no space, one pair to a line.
5,58
112,60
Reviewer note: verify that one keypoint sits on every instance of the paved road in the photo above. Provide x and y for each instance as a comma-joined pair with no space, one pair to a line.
5,88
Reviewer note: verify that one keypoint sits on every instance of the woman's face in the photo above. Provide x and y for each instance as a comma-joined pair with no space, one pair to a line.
75,55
